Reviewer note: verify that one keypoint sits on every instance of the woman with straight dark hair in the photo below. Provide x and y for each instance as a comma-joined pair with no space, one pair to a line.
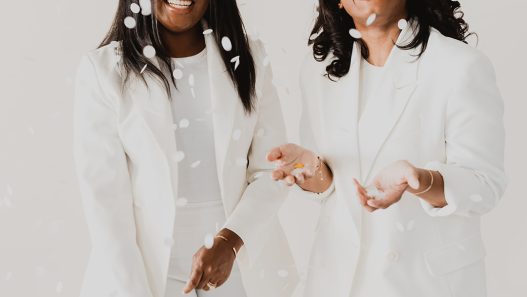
402,129
174,114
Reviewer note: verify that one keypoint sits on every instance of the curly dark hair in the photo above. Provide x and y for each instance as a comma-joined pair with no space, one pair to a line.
333,25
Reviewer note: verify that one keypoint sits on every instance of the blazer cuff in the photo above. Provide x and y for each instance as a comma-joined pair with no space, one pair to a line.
453,186
318,197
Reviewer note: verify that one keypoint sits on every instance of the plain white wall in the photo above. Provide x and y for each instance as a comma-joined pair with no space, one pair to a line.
43,237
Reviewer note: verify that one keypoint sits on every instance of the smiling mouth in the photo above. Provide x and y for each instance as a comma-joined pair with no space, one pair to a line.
180,4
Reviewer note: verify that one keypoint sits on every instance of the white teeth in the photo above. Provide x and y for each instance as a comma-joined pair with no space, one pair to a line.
180,3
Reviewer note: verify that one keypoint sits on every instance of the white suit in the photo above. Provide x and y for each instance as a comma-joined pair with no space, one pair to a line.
125,150
442,112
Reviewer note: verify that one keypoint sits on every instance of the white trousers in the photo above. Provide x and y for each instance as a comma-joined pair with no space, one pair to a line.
233,287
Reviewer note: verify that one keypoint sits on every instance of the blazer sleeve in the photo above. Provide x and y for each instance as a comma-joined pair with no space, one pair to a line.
473,173
105,187
263,197
307,137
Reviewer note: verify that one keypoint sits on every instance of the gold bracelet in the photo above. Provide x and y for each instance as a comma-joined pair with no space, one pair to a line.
226,240
430,186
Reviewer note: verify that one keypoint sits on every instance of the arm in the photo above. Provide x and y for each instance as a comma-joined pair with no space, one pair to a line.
105,185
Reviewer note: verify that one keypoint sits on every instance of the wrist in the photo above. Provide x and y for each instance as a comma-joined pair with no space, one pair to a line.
425,178
231,238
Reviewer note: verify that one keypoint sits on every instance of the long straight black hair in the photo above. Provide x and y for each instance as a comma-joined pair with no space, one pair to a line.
223,17
333,25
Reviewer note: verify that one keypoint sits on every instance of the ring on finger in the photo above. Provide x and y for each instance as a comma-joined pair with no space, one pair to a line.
212,285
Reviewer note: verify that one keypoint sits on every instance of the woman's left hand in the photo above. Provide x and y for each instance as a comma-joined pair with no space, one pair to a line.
388,186
212,267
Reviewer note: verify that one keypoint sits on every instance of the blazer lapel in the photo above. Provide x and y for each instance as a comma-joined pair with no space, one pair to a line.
225,104
382,113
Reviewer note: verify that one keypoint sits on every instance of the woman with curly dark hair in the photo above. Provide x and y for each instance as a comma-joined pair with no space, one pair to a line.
403,144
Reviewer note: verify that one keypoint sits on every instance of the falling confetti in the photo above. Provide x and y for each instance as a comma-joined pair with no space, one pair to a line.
266,61
355,33
208,242
149,51
236,134
226,43
146,7
178,73
129,22
315,35
191,80
180,202
192,92
195,164
283,273
236,61
8,275
135,8
371,19
144,68
179,156
400,226
208,31
402,23
174,126
184,123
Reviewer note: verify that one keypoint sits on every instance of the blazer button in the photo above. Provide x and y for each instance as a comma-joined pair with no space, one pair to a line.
393,256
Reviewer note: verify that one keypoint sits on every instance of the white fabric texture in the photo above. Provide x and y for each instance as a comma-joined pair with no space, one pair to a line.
232,288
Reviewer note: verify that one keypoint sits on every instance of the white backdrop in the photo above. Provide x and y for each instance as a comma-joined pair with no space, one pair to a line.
43,237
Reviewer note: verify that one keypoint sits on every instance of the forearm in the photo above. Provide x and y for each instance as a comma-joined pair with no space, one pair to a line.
435,196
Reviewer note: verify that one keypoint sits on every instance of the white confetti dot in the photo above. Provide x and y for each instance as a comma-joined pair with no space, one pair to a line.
144,68
226,43
174,126
182,201
135,8
146,7
59,287
402,23
208,31
129,22
241,162
191,80
260,132
315,35
236,61
283,273
149,51
208,242
184,123
195,164
193,92
476,198
371,19
178,73
179,156
400,226
8,275
355,33
236,134
266,61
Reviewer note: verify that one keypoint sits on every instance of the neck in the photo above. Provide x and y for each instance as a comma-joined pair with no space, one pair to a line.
183,44
380,39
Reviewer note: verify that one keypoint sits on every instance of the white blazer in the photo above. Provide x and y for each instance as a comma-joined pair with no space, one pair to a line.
442,112
124,152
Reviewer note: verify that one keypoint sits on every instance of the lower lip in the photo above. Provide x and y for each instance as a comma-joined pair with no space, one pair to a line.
180,9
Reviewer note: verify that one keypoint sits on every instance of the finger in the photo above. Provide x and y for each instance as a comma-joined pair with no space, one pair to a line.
363,197
380,203
290,180
193,281
274,154
278,174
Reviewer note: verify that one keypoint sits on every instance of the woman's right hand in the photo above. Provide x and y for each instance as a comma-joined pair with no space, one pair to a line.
295,164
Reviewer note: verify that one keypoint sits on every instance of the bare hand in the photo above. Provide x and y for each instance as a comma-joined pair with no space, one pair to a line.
214,265
295,163
388,186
